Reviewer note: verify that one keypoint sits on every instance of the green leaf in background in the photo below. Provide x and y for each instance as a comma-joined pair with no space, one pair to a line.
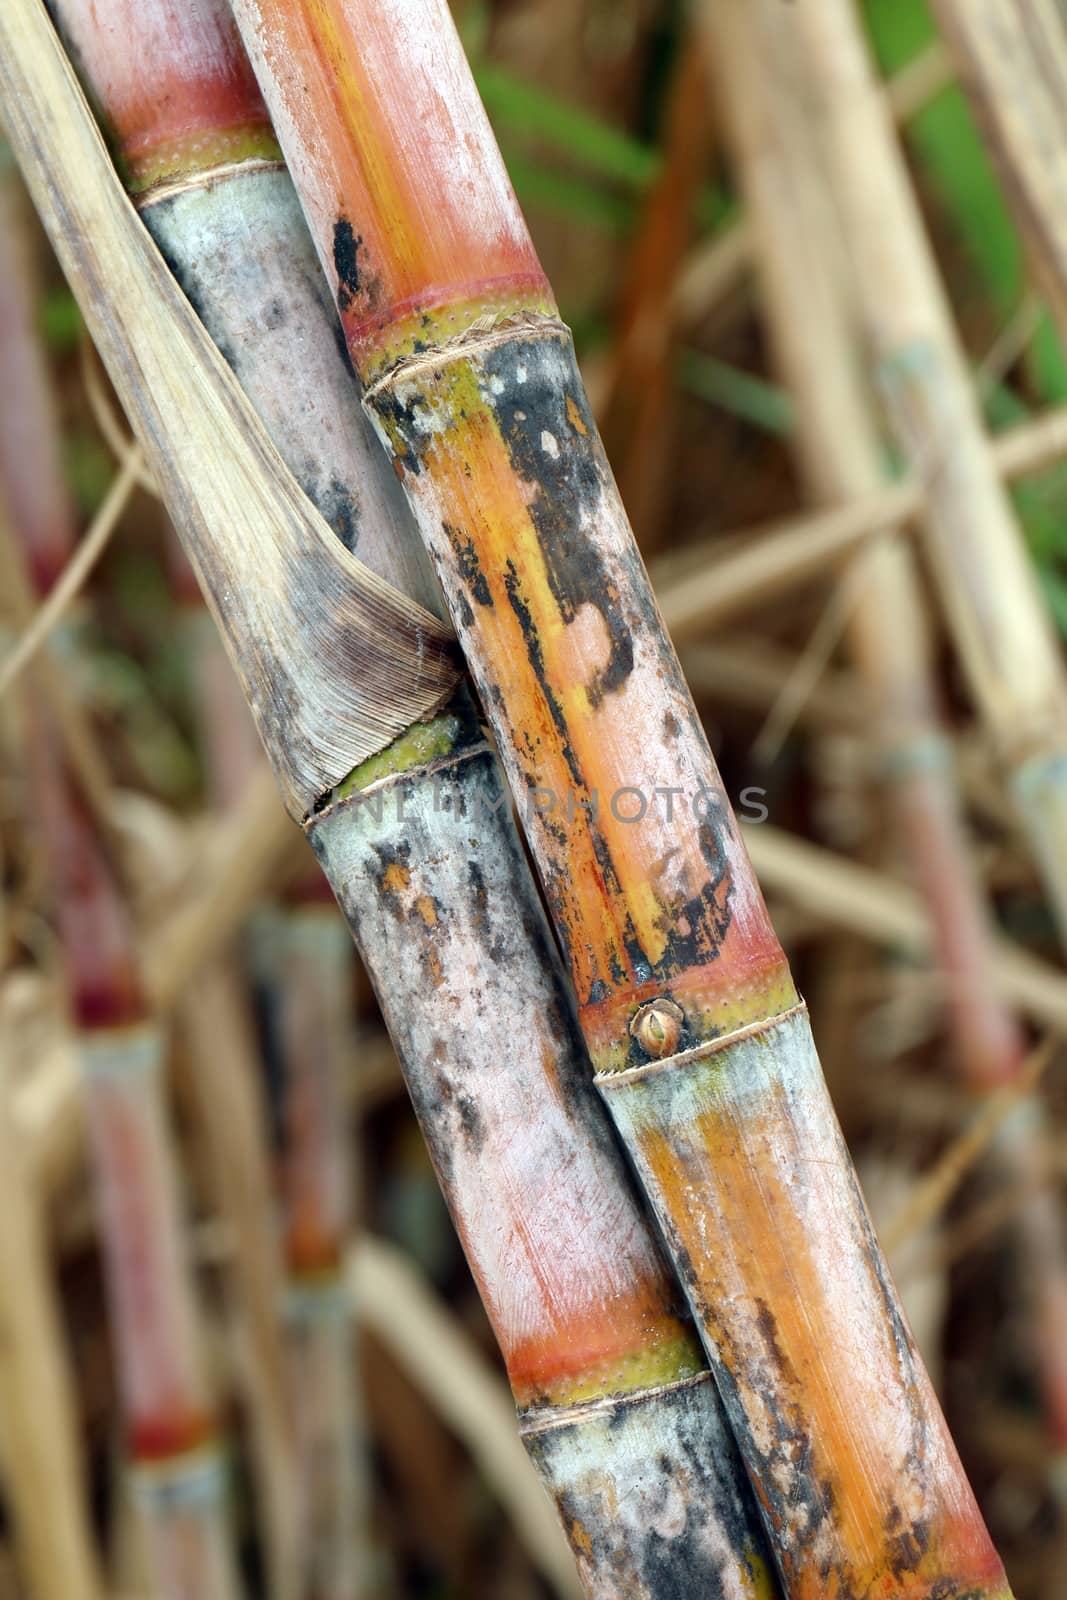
541,185
742,394
60,321
522,108
521,111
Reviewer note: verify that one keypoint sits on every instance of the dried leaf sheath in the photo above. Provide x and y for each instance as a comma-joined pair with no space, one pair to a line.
629,1444
335,661
668,941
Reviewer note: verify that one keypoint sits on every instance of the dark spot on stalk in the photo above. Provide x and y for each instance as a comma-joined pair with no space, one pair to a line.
346,245
467,564
470,1117
571,481
906,1550
462,612
479,901
341,511
274,315
517,600
671,726
397,418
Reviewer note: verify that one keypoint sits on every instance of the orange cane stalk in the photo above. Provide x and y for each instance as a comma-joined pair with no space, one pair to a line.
703,1050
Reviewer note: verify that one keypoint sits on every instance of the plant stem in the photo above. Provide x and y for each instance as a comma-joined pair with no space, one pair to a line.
308,966
179,1477
31,470
685,999
598,1348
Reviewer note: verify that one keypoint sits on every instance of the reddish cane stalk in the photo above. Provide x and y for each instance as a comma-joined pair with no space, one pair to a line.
215,1024
44,1472
30,466
703,1050
178,1472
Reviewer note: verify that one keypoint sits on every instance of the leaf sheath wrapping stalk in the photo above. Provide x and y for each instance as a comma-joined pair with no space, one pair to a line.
241,252
335,661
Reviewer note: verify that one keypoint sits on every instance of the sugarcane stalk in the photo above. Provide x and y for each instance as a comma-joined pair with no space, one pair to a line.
1001,629
807,296
306,958
215,1021
238,1168
222,1064
30,466
321,1510
171,1439
702,1046
617,1404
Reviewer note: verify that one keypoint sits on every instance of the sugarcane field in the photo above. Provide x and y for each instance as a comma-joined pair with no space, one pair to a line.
533,799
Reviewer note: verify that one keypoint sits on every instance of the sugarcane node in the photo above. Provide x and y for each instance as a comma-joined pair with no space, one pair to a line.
657,1027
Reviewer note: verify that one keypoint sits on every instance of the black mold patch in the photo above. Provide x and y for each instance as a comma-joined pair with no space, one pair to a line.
467,565
352,279
693,1463
340,509
571,478
346,245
